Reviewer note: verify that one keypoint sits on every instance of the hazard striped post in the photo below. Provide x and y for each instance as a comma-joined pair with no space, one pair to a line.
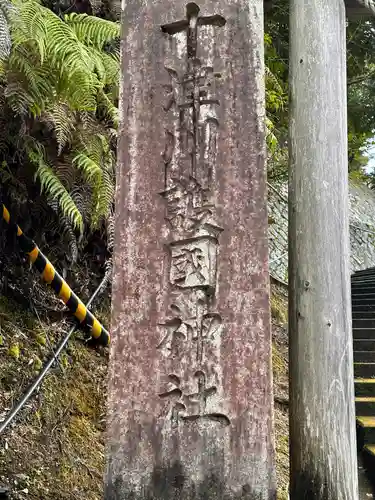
57,283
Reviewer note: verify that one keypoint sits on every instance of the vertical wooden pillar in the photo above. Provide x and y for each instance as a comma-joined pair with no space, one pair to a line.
190,398
322,421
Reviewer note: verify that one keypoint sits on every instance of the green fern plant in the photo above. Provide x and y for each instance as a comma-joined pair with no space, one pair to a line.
60,59
62,75
54,188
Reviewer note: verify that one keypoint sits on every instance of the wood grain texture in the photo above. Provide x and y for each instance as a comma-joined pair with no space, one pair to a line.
322,421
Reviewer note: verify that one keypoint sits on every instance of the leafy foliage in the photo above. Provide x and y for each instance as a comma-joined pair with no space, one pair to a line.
56,60
276,107
361,86
60,84
361,89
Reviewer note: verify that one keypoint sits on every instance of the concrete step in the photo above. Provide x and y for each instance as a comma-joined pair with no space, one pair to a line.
364,345
363,314
365,406
363,300
366,421
364,370
358,308
364,271
370,448
365,288
360,279
363,282
362,288
365,430
364,333
363,279
363,296
364,387
364,356
363,323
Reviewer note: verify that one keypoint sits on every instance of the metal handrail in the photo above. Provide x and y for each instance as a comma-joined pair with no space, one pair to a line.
21,403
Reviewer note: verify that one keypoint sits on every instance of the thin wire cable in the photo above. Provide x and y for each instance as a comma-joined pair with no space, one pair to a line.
12,414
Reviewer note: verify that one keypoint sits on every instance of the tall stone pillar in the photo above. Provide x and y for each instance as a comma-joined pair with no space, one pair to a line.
190,398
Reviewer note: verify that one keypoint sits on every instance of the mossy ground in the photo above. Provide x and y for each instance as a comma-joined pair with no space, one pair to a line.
279,310
56,449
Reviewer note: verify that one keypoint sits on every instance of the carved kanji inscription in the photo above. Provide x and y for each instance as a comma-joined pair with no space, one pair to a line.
190,326
189,209
194,263
189,159
190,407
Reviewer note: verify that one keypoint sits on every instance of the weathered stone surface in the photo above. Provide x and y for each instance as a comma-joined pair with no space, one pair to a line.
190,398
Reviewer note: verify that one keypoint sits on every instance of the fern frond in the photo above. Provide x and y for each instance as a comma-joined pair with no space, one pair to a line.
102,199
91,30
28,26
108,107
69,235
108,269
41,214
95,160
54,188
111,64
90,169
82,195
52,185
103,196
32,78
273,81
78,90
66,231
44,43
87,121
19,99
65,74
66,174
63,121
56,61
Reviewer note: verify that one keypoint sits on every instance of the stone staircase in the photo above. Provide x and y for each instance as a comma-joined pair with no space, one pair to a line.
363,311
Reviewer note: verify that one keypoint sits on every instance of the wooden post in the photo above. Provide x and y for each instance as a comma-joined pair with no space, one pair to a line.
322,416
190,398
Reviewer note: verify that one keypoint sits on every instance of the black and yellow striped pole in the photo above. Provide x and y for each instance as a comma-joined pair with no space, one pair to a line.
58,284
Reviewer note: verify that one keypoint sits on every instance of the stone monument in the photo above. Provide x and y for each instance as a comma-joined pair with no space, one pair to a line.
190,398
